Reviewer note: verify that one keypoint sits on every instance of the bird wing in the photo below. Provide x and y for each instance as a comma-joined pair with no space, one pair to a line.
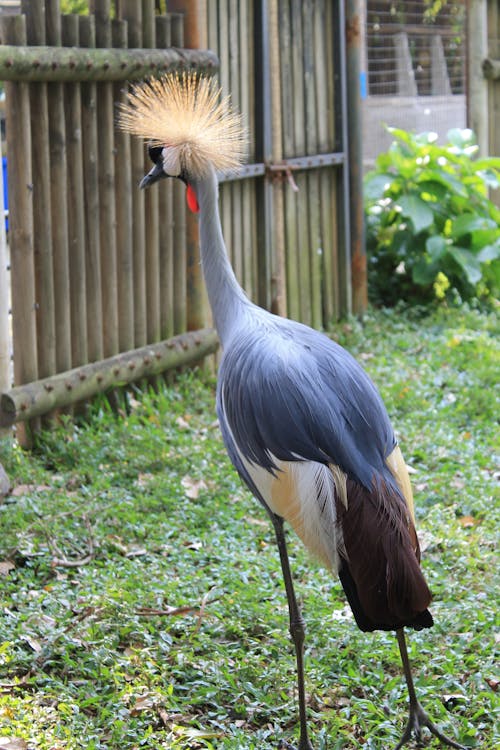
293,394
309,434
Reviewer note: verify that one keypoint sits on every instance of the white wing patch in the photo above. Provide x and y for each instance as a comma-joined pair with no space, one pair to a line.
303,493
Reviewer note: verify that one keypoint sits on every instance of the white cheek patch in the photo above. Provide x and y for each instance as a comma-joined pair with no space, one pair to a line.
171,161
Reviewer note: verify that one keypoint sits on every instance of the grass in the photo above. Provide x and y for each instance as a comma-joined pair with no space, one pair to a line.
141,594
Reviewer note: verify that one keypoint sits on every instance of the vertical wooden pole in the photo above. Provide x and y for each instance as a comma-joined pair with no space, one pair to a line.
234,188
179,213
20,220
76,215
124,202
492,147
245,66
263,151
226,193
131,11
5,376
477,86
280,297
42,224
212,26
355,153
151,209
341,179
58,188
20,215
313,114
91,201
301,223
324,75
291,198
107,208
166,237
195,37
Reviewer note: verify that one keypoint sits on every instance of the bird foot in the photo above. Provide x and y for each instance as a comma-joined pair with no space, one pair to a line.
417,720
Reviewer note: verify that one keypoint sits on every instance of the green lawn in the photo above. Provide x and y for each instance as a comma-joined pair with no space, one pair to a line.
141,594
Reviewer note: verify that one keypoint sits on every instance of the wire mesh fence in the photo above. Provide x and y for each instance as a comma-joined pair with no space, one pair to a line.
416,70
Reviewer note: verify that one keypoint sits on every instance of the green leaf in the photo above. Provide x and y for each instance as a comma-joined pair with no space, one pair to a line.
402,135
468,262
490,177
489,253
403,163
434,188
376,185
483,237
436,247
424,273
417,210
488,162
468,223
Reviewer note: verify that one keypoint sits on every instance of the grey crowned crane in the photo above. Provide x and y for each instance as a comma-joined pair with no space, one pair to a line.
302,422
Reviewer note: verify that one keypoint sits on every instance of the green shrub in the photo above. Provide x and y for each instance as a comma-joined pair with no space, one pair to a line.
432,231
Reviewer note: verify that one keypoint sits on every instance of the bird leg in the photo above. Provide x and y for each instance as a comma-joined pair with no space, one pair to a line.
297,632
418,717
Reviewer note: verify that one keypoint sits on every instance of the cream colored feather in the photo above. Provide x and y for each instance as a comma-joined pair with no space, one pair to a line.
187,114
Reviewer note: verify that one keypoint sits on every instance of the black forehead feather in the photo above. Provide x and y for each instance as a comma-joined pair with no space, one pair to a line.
155,153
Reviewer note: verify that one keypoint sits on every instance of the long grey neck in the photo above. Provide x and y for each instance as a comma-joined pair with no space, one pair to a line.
227,299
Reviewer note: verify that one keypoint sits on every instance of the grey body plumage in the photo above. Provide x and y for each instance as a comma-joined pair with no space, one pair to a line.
291,392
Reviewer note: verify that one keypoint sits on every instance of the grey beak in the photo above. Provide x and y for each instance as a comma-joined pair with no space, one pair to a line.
152,176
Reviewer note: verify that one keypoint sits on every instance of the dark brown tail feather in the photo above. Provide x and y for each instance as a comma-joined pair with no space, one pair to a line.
381,575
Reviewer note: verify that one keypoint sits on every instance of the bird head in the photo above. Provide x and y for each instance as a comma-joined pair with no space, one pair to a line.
191,130
167,163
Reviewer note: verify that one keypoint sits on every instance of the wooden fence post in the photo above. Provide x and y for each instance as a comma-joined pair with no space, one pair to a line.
131,12
477,86
5,379
165,211
21,220
76,208
107,207
179,216
124,230
42,220
151,209
355,149
279,303
195,37
58,188
90,197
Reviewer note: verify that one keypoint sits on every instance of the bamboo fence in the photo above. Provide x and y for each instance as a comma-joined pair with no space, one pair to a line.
300,266
100,268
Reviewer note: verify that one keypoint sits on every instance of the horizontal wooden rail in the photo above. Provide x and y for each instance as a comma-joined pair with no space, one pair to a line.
42,396
102,64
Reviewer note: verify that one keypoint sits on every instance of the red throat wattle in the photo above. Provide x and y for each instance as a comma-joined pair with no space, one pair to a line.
192,200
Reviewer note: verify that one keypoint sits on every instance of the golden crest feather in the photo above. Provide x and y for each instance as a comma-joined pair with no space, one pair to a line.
187,113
